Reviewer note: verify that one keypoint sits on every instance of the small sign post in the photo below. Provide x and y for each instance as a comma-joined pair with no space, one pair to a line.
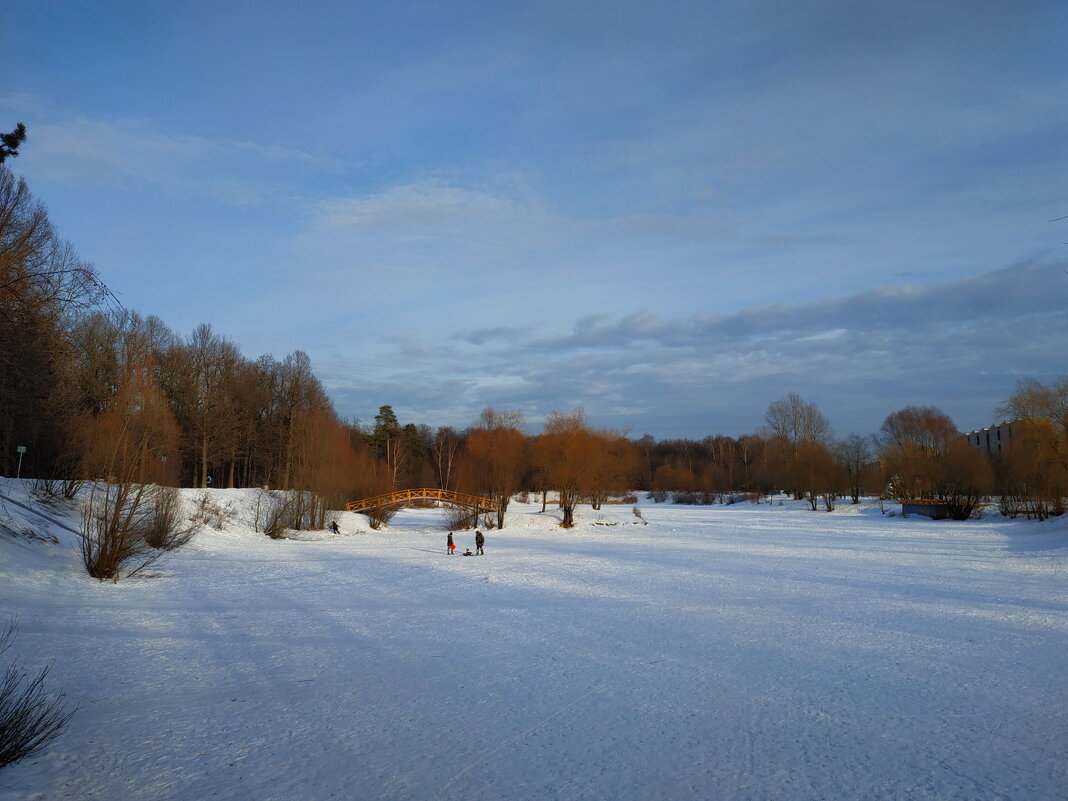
21,449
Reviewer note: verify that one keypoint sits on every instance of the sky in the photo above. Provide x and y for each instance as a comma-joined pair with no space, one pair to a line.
669,214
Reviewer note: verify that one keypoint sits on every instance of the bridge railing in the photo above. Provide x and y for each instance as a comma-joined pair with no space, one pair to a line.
422,494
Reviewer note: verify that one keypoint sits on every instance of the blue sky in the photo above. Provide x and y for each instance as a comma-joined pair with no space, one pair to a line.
670,214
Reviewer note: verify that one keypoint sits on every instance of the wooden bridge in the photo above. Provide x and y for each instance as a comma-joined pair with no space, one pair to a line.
403,497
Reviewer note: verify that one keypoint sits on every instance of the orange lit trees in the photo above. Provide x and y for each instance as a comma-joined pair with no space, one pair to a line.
1031,476
612,468
42,283
912,441
790,423
496,457
124,445
562,456
926,457
1034,468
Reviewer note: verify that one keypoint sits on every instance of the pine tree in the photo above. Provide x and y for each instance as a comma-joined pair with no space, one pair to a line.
9,142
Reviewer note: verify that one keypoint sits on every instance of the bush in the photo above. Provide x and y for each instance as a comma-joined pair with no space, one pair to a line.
25,532
694,498
50,489
163,524
115,520
30,718
47,487
380,516
209,513
460,518
291,510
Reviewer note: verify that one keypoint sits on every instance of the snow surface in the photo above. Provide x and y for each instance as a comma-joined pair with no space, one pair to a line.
726,652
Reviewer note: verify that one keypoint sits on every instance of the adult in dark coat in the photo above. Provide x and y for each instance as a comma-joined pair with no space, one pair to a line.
480,540
450,544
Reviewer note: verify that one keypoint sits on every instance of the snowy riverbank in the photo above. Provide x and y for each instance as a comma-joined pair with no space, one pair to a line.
726,652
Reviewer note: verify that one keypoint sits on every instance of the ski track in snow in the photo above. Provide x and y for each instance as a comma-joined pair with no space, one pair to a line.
735,652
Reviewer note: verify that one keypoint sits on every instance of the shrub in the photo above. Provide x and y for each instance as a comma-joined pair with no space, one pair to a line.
380,516
46,487
210,513
51,489
112,537
163,524
30,718
291,510
460,518
25,532
694,498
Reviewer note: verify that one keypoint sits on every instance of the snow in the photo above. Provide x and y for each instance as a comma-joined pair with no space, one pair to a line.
734,652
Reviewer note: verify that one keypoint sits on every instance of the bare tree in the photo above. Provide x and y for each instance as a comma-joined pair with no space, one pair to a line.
42,283
122,448
496,449
795,421
444,451
1035,401
854,455
925,456
1031,477
964,479
562,454
613,464
913,441
790,423
1033,469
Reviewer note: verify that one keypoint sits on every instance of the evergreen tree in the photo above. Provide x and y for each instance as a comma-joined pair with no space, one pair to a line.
386,428
9,142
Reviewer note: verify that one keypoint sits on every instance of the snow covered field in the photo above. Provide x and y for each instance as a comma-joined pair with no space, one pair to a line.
728,652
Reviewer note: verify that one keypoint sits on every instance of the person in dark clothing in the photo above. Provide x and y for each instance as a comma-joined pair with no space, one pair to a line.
451,545
480,540
334,528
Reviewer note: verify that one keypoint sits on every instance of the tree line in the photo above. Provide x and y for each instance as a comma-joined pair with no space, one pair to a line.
93,391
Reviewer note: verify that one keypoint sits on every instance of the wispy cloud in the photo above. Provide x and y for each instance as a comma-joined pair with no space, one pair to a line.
961,345
428,204
86,151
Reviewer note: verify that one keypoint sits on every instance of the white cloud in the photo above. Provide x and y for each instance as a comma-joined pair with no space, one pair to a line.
961,346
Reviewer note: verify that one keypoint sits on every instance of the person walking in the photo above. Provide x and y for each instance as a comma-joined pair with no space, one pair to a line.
451,545
334,528
480,540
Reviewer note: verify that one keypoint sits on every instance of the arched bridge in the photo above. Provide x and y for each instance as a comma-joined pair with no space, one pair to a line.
403,497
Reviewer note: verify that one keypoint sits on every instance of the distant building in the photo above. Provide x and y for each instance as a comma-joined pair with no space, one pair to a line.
993,439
